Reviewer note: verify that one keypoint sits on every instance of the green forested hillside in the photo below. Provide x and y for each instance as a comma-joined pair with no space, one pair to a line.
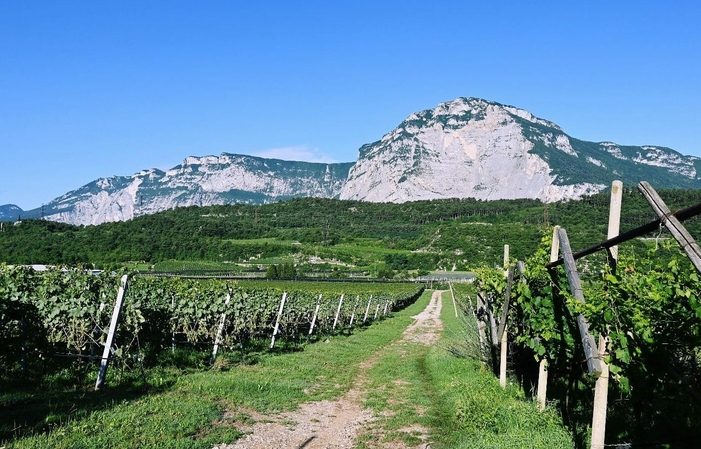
325,234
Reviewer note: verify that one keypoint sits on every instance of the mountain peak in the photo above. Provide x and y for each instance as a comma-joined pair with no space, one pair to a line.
467,147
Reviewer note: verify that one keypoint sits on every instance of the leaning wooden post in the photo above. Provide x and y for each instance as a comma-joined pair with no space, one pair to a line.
678,231
316,312
588,343
217,340
104,362
598,420
277,321
338,312
543,365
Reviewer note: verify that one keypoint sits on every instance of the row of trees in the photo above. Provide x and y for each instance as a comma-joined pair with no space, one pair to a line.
462,231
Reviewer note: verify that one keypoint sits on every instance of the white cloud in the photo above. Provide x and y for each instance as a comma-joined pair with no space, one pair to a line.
298,153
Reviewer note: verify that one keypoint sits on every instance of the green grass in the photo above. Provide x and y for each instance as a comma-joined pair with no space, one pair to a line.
414,390
473,410
190,413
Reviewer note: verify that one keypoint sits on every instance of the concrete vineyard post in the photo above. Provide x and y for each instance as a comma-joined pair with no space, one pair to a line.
104,362
277,321
502,361
357,300
377,310
220,330
316,312
452,294
338,312
367,310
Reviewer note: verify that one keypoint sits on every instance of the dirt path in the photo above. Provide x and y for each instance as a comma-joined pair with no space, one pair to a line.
334,424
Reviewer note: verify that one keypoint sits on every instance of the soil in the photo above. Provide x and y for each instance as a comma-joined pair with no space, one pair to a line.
337,424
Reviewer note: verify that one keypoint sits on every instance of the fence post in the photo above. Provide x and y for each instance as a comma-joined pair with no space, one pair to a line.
452,294
316,312
598,420
217,340
357,300
593,363
338,311
367,310
277,321
542,393
104,362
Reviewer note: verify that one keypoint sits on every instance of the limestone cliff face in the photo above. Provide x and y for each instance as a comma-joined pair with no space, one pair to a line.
198,181
485,150
468,147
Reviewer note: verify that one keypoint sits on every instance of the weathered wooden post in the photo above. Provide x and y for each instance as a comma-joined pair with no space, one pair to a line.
104,362
277,321
503,332
588,343
541,394
598,421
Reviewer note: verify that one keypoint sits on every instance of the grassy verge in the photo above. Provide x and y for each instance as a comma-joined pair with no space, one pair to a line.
417,389
189,412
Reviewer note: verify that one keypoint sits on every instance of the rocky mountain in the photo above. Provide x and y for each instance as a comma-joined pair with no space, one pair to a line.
475,148
10,212
468,147
198,181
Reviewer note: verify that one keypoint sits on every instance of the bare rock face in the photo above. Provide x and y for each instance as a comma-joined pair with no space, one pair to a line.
465,148
484,150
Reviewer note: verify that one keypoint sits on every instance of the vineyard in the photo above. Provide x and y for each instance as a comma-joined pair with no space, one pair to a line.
56,323
568,329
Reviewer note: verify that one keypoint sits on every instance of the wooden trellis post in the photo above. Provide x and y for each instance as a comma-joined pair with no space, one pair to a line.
543,365
588,343
598,420
502,332
104,362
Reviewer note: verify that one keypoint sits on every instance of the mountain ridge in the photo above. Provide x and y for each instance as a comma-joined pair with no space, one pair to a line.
464,148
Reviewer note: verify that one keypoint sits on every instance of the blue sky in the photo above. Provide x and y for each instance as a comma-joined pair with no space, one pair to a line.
96,89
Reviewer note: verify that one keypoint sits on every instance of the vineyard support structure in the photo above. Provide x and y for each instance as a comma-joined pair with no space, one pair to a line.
543,365
220,330
588,343
598,420
104,362
277,321
338,312
316,312
367,309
